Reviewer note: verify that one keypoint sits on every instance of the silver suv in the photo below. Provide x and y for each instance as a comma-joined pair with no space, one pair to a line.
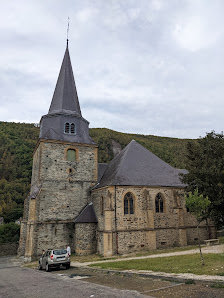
54,258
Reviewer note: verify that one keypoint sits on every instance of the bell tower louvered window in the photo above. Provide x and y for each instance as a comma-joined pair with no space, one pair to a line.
67,126
70,128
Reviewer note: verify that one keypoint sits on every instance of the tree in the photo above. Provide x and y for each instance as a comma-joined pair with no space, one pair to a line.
9,232
198,206
205,163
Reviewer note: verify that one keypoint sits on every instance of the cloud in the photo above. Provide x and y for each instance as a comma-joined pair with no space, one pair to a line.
147,66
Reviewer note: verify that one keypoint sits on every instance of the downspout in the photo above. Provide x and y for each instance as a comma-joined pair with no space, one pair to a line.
116,220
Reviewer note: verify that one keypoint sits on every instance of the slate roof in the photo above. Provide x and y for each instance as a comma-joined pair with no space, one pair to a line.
34,192
87,215
101,169
135,165
65,98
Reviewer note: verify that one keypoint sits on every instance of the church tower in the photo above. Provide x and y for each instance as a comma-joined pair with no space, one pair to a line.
64,171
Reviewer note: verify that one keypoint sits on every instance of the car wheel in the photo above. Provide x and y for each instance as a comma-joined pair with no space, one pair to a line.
48,268
39,267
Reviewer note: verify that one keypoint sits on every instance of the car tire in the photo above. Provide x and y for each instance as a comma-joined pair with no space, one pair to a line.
48,268
39,266
67,266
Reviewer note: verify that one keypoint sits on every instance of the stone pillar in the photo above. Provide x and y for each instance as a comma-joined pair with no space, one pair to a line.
151,235
107,244
29,242
108,235
150,216
22,239
182,237
182,234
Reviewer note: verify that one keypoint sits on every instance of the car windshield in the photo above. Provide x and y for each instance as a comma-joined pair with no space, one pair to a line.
59,252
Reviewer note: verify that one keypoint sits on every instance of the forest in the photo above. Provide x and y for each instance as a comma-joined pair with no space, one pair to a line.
17,143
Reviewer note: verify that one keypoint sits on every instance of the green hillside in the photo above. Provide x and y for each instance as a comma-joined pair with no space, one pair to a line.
18,140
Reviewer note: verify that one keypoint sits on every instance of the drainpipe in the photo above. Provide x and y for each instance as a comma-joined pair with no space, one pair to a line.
116,220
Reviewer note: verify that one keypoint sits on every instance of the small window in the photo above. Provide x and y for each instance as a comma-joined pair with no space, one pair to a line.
72,128
159,203
67,126
128,203
71,154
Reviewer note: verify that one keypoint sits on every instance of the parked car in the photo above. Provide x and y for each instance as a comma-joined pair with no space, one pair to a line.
54,258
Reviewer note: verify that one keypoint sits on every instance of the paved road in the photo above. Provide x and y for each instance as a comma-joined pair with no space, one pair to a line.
19,282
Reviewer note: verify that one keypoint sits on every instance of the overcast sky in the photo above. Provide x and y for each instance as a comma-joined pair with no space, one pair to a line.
141,66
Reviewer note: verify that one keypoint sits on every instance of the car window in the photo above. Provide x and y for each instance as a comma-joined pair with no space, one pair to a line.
60,252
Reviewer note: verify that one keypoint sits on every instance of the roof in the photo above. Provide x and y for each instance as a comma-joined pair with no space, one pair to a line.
87,215
137,166
34,191
65,98
101,169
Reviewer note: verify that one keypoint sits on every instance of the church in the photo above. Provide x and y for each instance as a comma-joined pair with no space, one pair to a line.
134,203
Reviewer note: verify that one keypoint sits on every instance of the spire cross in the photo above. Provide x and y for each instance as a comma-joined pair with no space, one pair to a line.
67,31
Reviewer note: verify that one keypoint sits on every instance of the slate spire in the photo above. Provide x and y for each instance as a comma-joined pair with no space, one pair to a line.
65,111
65,98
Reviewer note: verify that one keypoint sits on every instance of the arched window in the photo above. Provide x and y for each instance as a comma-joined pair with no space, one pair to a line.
70,128
128,203
71,154
67,126
159,203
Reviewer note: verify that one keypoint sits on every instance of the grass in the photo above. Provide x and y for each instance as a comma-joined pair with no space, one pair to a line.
88,258
221,240
217,286
31,264
214,264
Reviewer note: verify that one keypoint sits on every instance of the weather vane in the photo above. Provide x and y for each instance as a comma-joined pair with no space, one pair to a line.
67,30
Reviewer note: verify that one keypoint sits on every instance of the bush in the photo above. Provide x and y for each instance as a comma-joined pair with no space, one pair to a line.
9,232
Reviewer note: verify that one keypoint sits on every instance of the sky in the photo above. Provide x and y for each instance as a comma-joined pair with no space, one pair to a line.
153,67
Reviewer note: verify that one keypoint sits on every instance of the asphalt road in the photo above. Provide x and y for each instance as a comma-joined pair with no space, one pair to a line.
19,282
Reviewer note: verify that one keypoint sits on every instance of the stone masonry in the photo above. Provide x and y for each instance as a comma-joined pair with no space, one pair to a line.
65,190
145,229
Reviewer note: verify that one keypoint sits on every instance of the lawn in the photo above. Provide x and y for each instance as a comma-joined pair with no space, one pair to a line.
214,264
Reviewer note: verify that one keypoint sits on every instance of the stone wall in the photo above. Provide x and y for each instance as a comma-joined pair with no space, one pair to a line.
8,249
85,238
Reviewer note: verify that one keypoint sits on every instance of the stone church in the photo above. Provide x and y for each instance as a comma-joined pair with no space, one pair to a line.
136,202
